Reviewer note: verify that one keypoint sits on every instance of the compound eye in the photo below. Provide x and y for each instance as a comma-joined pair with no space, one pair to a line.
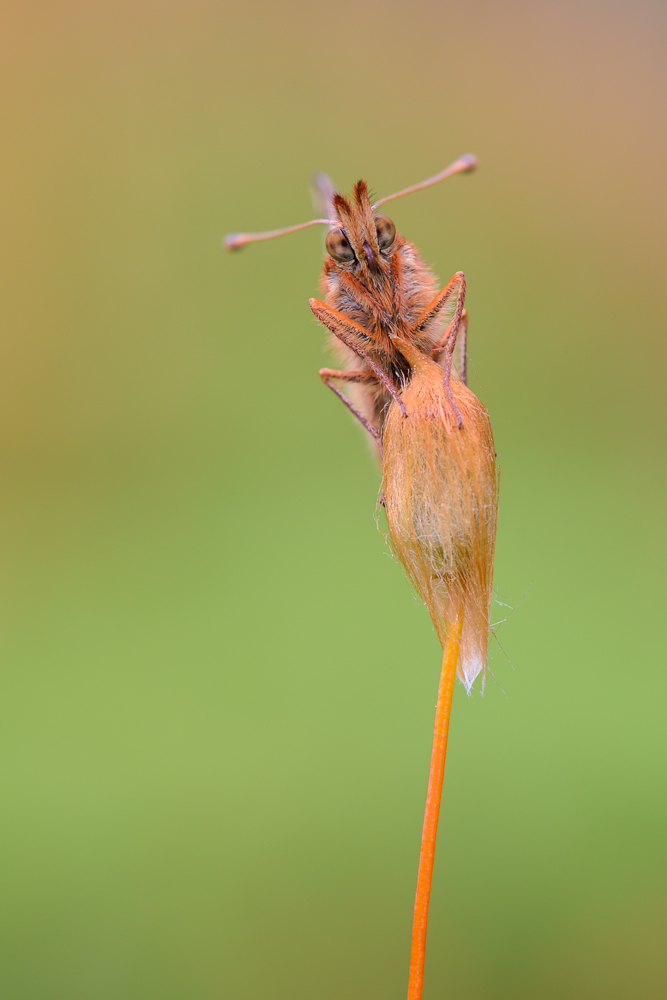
338,246
386,231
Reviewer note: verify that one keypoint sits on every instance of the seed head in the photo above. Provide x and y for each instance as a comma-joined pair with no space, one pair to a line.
441,500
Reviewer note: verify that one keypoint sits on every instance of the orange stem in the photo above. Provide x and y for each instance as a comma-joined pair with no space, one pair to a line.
438,752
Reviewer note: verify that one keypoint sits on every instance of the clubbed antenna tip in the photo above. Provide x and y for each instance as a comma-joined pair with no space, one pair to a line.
233,241
463,165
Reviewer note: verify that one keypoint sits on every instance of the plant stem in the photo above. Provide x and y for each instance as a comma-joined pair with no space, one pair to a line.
429,830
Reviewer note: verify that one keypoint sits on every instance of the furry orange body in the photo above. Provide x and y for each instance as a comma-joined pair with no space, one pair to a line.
387,294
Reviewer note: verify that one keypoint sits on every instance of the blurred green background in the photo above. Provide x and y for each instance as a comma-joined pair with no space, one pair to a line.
217,688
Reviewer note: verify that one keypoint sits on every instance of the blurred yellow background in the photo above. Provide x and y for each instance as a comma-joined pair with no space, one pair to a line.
218,689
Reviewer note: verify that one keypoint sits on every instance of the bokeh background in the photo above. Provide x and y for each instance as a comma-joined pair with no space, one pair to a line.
217,687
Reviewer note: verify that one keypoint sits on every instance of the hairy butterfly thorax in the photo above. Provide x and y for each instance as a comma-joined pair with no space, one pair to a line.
376,278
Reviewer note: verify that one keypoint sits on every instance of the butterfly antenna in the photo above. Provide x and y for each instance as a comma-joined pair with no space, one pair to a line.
234,241
463,165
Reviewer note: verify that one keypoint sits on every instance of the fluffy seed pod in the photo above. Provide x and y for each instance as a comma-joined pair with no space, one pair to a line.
441,500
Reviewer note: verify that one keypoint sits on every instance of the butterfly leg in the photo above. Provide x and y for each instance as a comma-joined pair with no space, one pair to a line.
455,287
448,376
447,343
329,374
354,336
462,363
